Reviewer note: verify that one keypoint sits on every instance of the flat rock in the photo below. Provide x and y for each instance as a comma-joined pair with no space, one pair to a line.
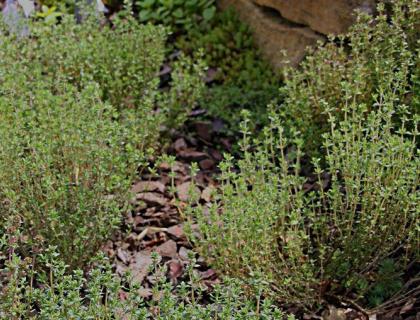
204,130
122,255
192,155
323,16
292,26
180,144
175,269
273,34
183,253
206,164
207,193
216,155
208,274
120,268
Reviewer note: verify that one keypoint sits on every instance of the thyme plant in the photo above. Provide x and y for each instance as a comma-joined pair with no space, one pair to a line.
378,55
80,112
56,294
329,241
330,238
63,167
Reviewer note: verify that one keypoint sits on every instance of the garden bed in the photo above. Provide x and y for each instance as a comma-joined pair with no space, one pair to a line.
144,178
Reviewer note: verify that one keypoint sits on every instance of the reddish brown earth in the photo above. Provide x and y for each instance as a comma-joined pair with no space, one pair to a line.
155,223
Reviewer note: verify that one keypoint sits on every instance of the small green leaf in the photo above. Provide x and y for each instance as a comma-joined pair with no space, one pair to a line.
209,13
178,13
144,15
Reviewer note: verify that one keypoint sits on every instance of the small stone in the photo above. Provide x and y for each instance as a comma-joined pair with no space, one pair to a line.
175,269
120,268
138,220
192,155
208,274
164,166
177,167
203,130
140,267
216,155
183,253
122,255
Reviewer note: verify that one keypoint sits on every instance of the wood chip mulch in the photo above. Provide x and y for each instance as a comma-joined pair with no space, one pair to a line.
155,223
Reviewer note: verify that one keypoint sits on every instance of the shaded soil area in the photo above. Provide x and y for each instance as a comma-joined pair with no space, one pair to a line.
155,222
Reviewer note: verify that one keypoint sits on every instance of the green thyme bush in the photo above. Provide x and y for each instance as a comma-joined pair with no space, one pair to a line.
379,55
337,238
123,59
311,245
80,112
55,294
64,168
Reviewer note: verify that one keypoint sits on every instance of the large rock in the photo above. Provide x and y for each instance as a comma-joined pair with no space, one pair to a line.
293,25
273,34
323,16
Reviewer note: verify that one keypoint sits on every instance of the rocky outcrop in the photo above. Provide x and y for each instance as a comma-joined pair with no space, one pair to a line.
292,25
323,16
273,34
